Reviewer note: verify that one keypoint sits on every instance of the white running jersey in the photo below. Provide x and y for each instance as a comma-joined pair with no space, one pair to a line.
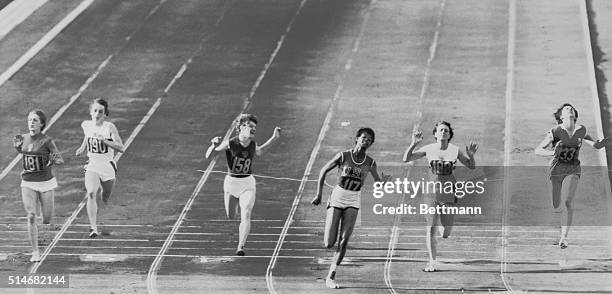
441,162
97,151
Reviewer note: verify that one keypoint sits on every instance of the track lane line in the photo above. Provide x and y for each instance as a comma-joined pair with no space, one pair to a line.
395,232
83,87
156,264
314,153
44,41
118,156
508,141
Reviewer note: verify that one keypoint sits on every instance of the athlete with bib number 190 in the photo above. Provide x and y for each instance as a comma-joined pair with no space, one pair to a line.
100,141
239,184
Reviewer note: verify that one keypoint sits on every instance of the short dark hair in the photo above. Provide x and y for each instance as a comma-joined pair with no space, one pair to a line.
244,118
368,131
41,115
247,117
557,114
103,103
450,129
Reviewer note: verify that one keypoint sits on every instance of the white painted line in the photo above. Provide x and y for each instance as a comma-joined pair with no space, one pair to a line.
313,155
155,265
16,12
508,139
597,106
83,87
44,41
393,239
75,213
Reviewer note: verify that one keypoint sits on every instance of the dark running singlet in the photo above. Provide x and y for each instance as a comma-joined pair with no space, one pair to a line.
36,151
567,147
240,158
353,174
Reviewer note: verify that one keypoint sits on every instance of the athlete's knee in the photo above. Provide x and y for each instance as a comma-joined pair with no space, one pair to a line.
90,194
430,230
31,216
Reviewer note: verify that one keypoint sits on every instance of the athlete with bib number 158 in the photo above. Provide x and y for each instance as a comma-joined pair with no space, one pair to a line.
239,184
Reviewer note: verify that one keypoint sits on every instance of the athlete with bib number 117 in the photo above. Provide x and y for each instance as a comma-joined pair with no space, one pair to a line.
344,203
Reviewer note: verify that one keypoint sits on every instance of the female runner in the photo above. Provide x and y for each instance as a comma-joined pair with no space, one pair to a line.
344,202
565,138
442,157
101,140
37,180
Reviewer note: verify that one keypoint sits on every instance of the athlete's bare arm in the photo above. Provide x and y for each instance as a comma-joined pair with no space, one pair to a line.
262,149
467,158
56,155
216,145
17,142
417,137
382,178
322,174
597,144
541,149
116,143
81,148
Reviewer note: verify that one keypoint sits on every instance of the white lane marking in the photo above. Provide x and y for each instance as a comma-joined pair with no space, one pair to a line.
16,12
425,84
508,141
44,41
75,213
155,265
82,89
313,154
596,108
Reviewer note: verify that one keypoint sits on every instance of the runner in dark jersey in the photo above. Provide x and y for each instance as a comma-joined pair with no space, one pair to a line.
442,157
566,139
239,185
39,153
344,203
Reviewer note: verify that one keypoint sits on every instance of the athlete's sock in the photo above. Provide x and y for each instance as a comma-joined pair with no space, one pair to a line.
332,271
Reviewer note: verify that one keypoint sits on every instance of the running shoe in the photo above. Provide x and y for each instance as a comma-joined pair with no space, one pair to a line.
331,283
93,233
431,267
563,244
240,252
35,256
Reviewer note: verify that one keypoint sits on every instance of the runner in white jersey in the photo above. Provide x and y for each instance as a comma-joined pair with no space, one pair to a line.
565,138
101,140
39,153
239,185
442,158
353,167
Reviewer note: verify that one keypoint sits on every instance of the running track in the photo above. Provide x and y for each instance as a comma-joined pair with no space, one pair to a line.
345,60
